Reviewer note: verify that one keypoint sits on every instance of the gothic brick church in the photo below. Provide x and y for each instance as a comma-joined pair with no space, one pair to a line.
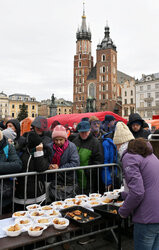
96,88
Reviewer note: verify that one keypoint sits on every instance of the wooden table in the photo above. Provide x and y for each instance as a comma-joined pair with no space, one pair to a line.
24,239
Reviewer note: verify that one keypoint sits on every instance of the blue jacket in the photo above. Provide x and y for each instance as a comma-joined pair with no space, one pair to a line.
110,156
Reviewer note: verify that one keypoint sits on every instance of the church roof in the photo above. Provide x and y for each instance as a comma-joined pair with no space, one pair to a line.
83,32
92,74
122,77
107,42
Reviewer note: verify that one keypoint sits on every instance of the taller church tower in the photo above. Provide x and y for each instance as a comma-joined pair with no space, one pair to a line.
83,63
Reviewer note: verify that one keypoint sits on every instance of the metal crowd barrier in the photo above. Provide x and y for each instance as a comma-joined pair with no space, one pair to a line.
114,167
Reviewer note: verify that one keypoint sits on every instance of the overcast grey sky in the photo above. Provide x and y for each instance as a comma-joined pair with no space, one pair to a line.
38,41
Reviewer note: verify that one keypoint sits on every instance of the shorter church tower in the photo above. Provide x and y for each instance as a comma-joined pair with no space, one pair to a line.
106,73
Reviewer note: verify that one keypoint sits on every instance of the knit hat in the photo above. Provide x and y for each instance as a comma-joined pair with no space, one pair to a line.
33,140
122,134
83,126
9,134
109,118
1,135
59,131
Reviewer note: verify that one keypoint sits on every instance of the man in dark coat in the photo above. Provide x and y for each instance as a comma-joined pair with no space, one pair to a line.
135,125
90,153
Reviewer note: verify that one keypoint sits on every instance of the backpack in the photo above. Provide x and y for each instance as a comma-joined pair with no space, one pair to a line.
110,156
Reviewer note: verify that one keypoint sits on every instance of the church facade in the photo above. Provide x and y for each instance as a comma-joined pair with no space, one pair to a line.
96,87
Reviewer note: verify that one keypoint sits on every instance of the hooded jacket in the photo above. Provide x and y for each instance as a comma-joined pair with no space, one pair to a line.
16,124
142,178
142,132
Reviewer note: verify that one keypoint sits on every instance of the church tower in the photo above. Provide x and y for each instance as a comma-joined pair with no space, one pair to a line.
106,73
83,63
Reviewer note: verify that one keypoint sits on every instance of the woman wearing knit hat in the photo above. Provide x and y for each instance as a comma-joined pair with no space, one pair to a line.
122,136
63,155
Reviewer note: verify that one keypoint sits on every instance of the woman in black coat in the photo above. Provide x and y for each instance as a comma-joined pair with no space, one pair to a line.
33,159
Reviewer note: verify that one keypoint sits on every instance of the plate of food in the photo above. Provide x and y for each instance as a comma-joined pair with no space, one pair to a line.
60,223
24,222
95,195
36,230
82,197
118,203
54,213
19,214
13,230
43,221
33,207
105,200
46,208
36,214
57,204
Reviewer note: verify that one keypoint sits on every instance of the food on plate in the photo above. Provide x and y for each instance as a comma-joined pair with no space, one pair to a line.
71,214
46,208
37,228
78,202
54,213
14,228
91,218
43,220
113,211
58,203
94,202
24,221
106,200
77,218
36,213
67,206
33,207
59,222
19,214
77,212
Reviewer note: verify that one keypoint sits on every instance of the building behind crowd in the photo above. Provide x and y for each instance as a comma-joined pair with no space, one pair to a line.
16,101
96,87
62,107
147,95
128,98
4,105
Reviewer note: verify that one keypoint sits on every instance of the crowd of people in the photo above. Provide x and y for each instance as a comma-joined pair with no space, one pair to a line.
91,142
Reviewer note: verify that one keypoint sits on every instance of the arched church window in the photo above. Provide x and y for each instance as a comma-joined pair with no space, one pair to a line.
92,90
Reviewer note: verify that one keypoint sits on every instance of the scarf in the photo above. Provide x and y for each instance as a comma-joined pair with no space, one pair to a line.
122,148
58,152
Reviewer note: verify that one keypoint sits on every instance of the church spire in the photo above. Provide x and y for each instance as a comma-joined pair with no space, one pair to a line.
83,33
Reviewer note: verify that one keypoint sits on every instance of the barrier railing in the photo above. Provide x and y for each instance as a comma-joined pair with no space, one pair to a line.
94,182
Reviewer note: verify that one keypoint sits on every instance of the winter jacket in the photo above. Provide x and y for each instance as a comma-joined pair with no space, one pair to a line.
142,179
27,185
142,132
90,153
110,156
69,159
11,164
